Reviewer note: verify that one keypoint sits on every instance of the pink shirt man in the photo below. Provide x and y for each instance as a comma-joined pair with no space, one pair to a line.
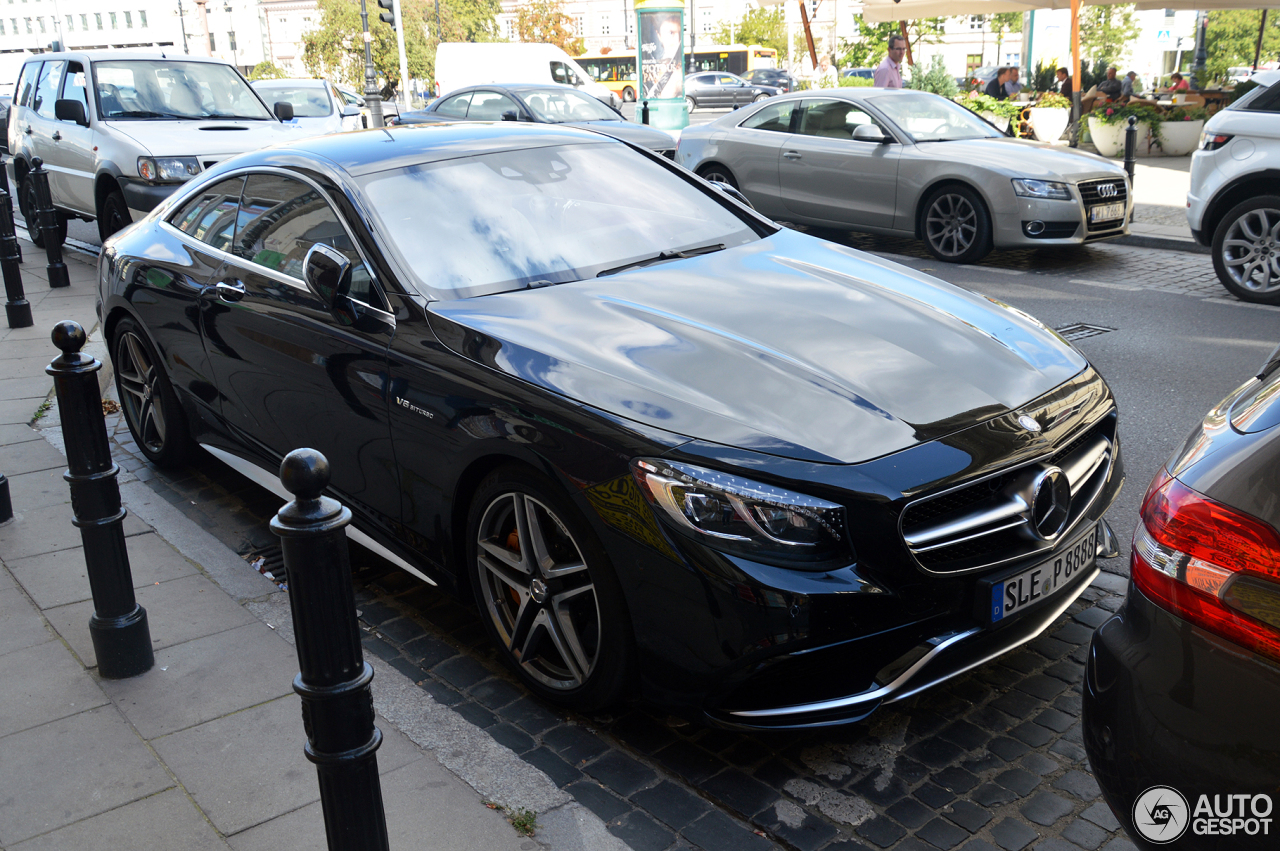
889,73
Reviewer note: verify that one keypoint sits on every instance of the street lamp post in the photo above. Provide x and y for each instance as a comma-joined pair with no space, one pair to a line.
1198,71
372,98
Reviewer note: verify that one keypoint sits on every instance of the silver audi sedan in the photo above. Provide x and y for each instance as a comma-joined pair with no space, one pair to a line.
908,163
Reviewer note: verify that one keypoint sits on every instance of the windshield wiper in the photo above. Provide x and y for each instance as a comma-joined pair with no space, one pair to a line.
142,113
220,116
665,255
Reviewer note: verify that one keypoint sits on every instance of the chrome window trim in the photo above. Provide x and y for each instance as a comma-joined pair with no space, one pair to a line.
280,277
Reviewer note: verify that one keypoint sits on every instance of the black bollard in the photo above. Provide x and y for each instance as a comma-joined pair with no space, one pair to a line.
644,112
1130,149
16,306
121,637
4,184
47,217
337,702
6,504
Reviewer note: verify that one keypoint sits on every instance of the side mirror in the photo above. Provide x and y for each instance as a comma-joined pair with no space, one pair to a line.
733,192
327,272
510,115
870,133
70,110
350,110
284,110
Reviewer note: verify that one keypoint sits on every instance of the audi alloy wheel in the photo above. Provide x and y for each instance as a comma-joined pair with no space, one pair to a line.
956,226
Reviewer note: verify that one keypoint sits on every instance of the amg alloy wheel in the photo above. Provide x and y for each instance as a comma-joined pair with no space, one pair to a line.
1246,250
956,227
546,592
151,409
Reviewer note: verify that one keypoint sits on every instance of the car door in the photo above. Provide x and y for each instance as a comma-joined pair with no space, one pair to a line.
39,123
735,90
291,372
74,148
824,173
752,150
700,88
20,109
454,107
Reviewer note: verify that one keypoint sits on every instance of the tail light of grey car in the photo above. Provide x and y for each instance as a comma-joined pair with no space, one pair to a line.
1209,564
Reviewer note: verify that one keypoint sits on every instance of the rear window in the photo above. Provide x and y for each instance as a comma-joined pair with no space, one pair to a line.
1260,99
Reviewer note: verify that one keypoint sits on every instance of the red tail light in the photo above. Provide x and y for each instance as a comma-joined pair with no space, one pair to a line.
1209,564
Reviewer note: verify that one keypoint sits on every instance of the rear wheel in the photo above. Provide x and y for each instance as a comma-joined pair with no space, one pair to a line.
151,408
28,206
113,215
690,104
760,97
716,173
628,95
956,226
1246,250
546,590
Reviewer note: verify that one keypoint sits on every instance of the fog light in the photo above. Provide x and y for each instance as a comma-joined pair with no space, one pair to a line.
1035,228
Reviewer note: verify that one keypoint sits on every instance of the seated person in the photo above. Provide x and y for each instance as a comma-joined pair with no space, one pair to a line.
1178,84
1065,84
1106,91
1128,95
995,88
1012,86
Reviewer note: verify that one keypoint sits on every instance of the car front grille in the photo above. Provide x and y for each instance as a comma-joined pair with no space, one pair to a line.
1091,195
984,523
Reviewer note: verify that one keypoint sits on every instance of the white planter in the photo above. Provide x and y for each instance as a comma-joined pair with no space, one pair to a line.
1109,138
1048,122
1179,138
1002,124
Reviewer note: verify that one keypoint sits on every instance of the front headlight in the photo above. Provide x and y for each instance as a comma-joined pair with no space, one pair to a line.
1045,189
747,518
160,169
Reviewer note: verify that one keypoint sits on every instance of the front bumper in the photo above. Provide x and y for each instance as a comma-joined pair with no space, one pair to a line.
1036,223
1169,704
143,197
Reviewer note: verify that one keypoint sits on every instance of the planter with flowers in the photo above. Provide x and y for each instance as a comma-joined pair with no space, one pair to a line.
1107,126
1049,117
1180,130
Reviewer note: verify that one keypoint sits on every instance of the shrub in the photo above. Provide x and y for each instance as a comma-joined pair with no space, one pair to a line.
936,79
1053,100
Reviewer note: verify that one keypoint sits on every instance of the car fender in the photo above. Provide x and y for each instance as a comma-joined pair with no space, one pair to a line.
1231,192
912,196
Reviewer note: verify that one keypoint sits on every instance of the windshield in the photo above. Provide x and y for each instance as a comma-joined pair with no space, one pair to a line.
556,106
929,118
541,216
307,101
149,89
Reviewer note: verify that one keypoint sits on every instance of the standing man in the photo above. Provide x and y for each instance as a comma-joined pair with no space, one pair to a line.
889,73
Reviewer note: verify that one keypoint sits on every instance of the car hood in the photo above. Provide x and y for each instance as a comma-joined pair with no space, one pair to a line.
1021,158
637,134
204,138
790,346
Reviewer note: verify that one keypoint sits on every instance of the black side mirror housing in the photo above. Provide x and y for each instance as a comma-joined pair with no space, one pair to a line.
327,272
65,109
283,110
510,115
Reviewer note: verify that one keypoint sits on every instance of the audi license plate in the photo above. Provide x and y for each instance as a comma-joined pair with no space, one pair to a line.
1012,595
1106,212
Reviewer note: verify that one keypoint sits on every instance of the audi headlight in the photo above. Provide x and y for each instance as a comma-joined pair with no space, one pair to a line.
747,518
168,169
1048,190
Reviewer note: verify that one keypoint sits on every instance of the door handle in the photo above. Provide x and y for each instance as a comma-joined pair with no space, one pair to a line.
229,290
792,155
57,137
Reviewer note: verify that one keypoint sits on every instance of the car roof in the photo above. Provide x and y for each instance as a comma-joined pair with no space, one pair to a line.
370,151
299,82
513,87
126,55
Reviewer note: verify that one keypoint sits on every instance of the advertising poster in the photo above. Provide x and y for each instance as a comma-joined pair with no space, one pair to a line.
662,53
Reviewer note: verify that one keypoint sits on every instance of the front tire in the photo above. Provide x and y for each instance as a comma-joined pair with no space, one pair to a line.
956,226
690,104
1246,250
113,216
151,408
759,98
628,95
716,173
546,591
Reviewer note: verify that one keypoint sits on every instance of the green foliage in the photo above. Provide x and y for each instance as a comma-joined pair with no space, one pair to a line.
1045,77
765,27
857,82
1187,113
524,821
335,50
936,79
546,22
1120,115
979,102
1107,31
1242,89
1232,35
868,48
267,70
1090,77
1053,100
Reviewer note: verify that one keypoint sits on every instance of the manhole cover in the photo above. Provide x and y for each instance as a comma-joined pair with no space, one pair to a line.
1080,330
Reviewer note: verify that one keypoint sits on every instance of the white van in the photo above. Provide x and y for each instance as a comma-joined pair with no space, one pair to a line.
461,64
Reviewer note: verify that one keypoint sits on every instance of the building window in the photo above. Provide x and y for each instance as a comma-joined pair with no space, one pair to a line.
128,20
1,27
98,17
71,23
579,25
604,25
14,21
142,18
113,20
28,22
975,22
509,25
84,22
213,45
231,41
708,20
41,21
972,62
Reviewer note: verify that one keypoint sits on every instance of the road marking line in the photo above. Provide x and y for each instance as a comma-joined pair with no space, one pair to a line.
993,269
1234,303
1104,284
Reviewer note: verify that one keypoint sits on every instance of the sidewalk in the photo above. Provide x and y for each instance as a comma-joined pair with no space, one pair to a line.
205,750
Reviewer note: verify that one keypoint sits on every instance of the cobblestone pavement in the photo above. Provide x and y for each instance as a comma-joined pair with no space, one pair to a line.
992,760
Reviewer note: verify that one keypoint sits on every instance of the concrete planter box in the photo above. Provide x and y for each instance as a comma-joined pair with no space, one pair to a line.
1109,138
1179,138
1048,122
1002,124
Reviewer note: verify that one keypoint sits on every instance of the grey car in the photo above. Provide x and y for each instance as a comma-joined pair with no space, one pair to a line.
908,163
722,90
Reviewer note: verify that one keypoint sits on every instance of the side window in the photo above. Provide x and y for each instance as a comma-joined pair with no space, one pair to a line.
47,88
489,106
76,87
456,106
27,83
775,117
726,80
211,216
281,218
832,119
562,73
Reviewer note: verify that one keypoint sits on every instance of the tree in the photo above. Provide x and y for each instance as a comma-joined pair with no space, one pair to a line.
872,41
936,79
335,50
267,70
1002,23
545,22
1232,35
765,27
1106,32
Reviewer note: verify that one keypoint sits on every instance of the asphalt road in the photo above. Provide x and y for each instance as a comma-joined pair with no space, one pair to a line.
989,760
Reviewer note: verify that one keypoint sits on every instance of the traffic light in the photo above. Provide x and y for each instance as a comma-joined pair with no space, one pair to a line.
389,16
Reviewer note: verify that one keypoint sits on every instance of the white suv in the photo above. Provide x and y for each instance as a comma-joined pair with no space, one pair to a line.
1234,201
120,131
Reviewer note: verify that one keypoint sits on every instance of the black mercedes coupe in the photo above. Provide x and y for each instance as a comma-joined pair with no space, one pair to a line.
667,447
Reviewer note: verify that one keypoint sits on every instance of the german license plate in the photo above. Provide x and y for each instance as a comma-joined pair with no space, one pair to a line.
1012,595
1106,212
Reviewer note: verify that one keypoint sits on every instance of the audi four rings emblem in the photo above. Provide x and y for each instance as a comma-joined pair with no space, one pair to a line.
1108,190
